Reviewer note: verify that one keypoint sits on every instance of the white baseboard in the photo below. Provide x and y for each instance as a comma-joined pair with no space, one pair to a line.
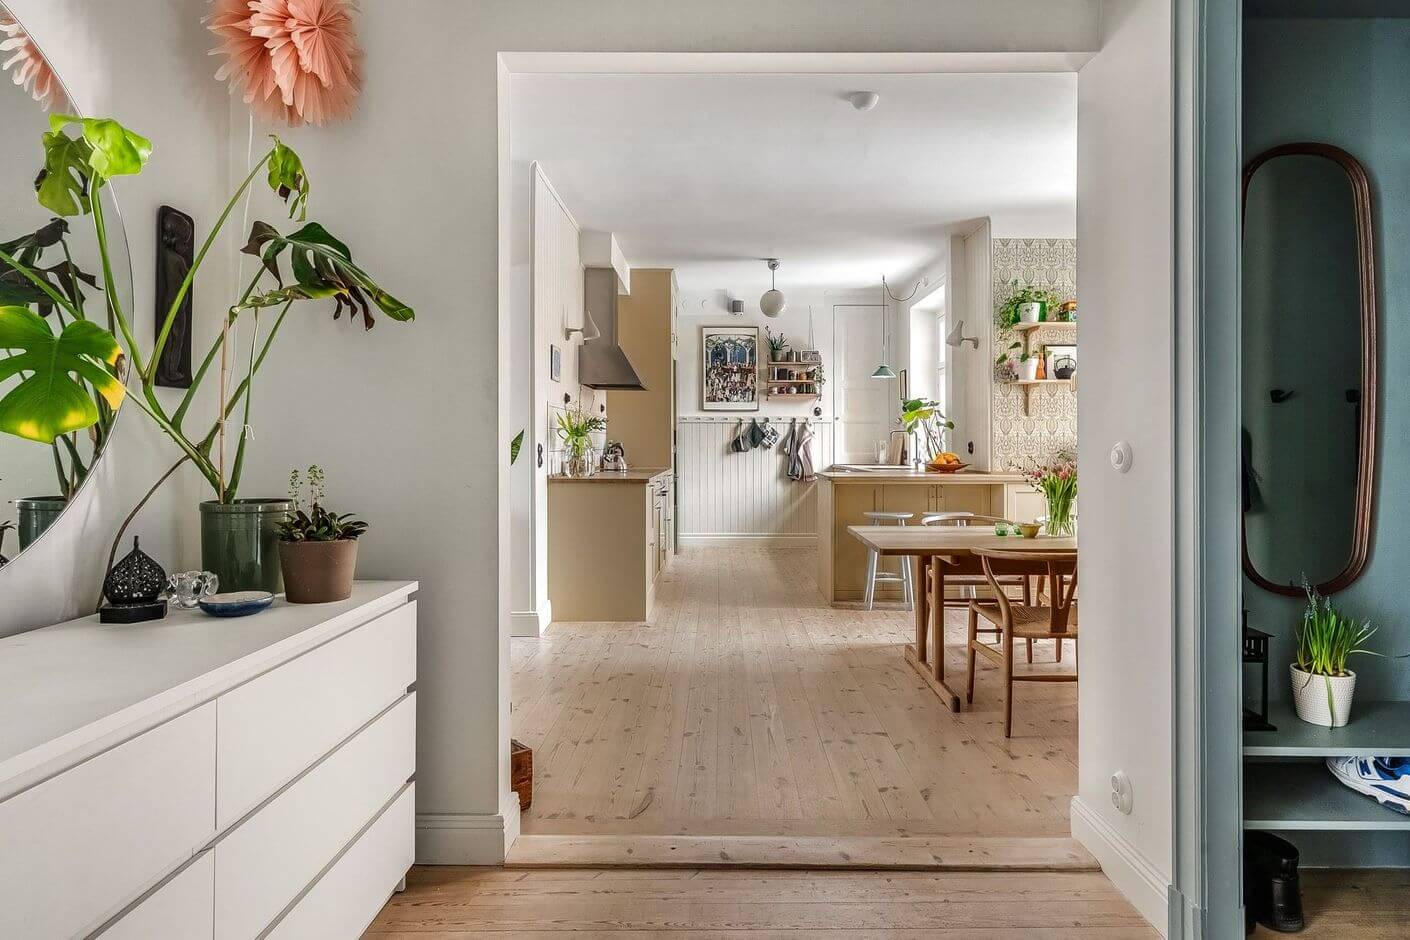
530,622
747,541
1132,873
467,839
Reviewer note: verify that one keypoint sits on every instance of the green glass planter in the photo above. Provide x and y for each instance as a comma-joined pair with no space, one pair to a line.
240,543
37,513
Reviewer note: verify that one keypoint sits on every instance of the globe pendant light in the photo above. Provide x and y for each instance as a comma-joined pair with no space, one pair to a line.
772,303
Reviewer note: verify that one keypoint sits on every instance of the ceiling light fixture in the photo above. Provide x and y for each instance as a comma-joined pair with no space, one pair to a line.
773,302
864,100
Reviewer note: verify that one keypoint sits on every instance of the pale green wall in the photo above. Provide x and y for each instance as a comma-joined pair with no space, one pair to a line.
1343,82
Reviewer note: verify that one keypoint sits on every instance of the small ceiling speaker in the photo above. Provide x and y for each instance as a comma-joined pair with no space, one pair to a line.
864,100
773,302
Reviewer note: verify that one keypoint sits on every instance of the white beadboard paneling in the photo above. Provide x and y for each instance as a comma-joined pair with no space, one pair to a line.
728,495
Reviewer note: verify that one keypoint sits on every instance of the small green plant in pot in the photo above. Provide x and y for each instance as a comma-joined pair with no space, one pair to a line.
317,548
1322,686
1027,304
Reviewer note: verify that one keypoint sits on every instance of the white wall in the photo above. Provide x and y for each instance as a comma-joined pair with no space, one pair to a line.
103,52
1125,228
412,429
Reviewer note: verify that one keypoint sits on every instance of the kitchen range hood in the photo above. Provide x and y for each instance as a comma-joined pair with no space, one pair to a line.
601,362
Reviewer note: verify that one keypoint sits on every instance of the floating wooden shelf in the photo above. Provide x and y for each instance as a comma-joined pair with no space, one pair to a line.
791,382
1029,384
798,366
1067,325
1280,795
1376,729
813,395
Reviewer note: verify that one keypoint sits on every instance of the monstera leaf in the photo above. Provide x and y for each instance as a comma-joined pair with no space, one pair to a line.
322,267
17,281
288,179
51,398
105,149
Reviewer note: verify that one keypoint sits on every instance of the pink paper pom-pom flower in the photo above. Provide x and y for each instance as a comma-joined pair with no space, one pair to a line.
30,70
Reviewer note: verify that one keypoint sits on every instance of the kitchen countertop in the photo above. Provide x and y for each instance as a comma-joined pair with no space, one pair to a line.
635,475
904,475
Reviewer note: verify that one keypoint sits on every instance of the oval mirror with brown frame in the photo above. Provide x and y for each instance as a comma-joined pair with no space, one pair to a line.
1309,353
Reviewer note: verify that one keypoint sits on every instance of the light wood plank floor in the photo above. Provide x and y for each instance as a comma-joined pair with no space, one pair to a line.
483,902
1353,905
747,706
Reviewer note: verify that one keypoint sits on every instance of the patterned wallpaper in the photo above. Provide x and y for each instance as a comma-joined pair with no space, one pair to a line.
1051,424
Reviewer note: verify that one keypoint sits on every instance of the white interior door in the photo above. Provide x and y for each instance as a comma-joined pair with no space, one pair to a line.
863,403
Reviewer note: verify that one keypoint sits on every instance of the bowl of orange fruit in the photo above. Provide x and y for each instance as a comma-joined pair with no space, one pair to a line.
946,463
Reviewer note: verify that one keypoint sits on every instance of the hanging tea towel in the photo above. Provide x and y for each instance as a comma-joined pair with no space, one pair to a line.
770,435
756,433
739,442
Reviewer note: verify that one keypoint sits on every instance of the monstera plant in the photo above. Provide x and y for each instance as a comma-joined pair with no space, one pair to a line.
53,363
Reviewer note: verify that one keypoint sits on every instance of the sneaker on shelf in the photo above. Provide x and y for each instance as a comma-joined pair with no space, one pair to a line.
1384,779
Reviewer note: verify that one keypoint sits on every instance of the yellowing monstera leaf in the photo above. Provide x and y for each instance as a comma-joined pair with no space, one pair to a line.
51,398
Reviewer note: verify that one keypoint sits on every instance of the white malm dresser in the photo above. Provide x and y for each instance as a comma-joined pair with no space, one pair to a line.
199,777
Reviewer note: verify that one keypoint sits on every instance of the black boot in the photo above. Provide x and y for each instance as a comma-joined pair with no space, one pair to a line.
1272,892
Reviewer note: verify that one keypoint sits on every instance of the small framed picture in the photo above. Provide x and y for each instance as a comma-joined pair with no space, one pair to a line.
730,370
555,363
809,355
1062,361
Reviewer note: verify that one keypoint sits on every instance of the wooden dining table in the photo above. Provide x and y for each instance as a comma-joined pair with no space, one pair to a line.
950,551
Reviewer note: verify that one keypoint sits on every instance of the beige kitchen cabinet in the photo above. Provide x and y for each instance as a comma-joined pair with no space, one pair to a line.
605,546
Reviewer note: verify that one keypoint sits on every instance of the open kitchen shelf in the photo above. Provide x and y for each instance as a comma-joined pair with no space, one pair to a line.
1029,384
1067,326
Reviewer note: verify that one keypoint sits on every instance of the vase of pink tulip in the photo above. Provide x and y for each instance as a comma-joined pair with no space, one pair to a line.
1057,482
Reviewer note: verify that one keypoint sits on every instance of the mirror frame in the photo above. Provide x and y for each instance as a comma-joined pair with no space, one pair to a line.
122,272
1370,389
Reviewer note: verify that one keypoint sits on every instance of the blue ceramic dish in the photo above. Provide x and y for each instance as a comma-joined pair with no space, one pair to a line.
238,604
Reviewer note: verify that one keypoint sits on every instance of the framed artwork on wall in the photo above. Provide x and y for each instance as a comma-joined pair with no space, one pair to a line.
729,372
1062,361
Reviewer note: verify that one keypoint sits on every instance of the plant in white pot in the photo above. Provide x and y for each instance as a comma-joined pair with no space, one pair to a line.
1322,686
1027,303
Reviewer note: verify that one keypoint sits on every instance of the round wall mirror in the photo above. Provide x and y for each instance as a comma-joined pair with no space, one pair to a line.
38,481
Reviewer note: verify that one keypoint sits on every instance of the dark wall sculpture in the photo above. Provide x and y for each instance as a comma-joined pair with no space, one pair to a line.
176,236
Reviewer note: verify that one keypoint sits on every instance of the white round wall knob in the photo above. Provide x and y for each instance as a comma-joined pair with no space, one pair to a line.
1121,457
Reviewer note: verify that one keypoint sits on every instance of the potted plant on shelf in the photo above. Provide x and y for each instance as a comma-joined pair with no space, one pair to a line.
317,548
1322,686
575,430
1027,304
237,535
1057,482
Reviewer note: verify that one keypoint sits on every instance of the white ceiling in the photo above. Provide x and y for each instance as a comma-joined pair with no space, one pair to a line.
706,173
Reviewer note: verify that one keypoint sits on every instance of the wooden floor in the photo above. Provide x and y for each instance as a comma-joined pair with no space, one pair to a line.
749,707
484,902
1353,905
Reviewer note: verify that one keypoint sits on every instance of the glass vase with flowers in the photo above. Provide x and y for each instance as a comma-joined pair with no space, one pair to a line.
575,430
1057,481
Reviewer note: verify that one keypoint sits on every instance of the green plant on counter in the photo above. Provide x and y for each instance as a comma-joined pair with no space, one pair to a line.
575,429
310,521
1020,294
923,418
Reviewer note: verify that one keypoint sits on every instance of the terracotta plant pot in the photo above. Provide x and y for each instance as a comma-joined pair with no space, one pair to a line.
318,572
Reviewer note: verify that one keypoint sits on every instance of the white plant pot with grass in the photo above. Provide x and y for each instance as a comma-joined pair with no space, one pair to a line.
1030,312
1322,686
1322,700
1028,369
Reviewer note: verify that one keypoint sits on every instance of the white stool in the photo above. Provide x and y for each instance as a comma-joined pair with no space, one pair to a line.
874,560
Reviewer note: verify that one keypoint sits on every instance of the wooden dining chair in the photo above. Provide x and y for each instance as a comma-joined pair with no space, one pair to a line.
972,583
1057,621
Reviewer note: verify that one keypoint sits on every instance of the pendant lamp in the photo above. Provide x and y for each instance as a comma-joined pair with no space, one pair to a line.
772,303
883,371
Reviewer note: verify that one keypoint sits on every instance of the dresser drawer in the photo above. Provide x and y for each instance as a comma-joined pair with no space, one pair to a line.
275,726
271,857
181,910
346,899
76,849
